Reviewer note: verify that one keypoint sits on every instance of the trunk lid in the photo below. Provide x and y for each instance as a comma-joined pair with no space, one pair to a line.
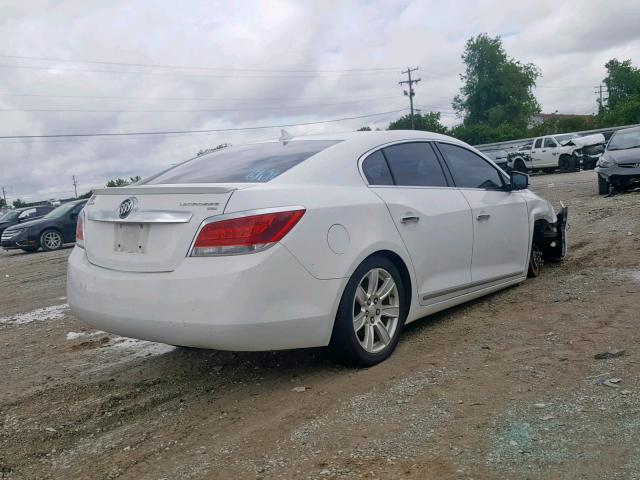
149,228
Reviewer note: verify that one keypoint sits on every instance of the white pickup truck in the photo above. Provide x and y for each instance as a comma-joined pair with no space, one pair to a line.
566,152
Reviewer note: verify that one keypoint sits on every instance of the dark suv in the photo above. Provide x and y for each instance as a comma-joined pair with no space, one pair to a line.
21,215
50,232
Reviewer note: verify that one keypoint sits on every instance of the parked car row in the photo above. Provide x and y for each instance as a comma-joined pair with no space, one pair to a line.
51,231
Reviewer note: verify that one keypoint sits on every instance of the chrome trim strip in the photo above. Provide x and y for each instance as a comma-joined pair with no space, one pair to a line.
467,286
161,190
245,213
142,216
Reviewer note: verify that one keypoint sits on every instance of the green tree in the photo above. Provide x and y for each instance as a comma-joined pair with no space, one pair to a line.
86,195
17,203
117,182
564,124
497,90
622,81
429,122
364,129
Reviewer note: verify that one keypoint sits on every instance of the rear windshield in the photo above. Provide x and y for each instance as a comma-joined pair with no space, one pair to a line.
244,164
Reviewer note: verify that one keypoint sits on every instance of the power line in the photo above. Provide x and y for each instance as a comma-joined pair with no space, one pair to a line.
185,67
188,132
202,110
248,99
211,75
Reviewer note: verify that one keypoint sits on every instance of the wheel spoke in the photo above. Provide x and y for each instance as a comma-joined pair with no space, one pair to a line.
368,337
390,311
382,332
358,321
373,281
385,289
361,296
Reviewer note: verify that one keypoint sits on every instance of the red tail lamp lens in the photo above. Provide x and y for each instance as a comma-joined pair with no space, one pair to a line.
245,234
80,230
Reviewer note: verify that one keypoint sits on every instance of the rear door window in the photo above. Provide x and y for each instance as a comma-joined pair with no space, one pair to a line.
376,170
470,170
415,164
257,163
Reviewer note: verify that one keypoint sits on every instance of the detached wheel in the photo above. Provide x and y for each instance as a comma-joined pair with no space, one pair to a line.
604,187
535,261
371,314
51,240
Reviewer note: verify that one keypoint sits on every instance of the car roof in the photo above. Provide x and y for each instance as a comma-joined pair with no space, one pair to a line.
328,166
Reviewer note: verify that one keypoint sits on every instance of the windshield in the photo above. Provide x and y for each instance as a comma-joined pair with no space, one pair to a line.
625,139
61,210
9,216
257,163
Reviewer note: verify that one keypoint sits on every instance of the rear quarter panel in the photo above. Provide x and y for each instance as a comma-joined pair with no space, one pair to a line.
363,215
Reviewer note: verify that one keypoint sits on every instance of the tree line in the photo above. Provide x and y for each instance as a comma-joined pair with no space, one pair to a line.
496,101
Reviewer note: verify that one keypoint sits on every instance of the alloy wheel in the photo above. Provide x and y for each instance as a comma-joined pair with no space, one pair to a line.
376,310
51,240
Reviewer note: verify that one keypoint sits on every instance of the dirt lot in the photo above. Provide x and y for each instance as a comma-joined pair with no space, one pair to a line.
504,387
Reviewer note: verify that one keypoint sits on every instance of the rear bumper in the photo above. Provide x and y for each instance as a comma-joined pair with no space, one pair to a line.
262,301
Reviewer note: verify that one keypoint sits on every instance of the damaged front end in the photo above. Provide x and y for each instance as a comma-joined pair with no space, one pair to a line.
551,238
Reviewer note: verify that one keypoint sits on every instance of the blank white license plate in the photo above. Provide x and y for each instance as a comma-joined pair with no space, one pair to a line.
131,237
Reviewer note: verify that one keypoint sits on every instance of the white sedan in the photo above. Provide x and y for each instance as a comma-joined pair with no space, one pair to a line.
338,240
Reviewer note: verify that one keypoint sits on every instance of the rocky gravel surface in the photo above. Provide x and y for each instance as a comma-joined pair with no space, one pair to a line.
505,387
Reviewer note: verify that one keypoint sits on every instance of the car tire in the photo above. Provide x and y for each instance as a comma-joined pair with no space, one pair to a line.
536,260
604,187
51,239
519,166
363,334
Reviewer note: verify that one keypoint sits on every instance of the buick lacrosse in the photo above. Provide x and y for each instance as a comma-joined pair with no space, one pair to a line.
337,240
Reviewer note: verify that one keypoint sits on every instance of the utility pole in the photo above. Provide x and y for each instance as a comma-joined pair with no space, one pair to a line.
4,195
411,92
599,93
75,183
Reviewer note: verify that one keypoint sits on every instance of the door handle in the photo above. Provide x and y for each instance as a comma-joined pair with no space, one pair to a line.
483,216
544,150
410,219
554,153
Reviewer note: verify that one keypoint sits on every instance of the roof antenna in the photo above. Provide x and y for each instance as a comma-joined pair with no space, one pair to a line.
285,137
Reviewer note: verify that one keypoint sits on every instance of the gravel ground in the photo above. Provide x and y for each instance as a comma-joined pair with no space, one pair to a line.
506,387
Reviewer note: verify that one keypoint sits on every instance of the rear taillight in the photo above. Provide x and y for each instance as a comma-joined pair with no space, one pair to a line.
80,230
244,233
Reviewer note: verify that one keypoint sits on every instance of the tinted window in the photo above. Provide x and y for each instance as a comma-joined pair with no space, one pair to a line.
249,163
376,169
538,143
470,170
415,164
549,143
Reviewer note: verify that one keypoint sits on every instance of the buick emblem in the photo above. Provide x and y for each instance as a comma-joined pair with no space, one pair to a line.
127,206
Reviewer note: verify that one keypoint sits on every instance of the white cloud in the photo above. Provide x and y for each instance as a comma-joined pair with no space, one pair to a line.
570,42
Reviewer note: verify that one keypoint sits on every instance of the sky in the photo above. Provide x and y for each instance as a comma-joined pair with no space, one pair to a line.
79,66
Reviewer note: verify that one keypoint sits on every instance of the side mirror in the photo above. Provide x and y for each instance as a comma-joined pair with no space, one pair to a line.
519,181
